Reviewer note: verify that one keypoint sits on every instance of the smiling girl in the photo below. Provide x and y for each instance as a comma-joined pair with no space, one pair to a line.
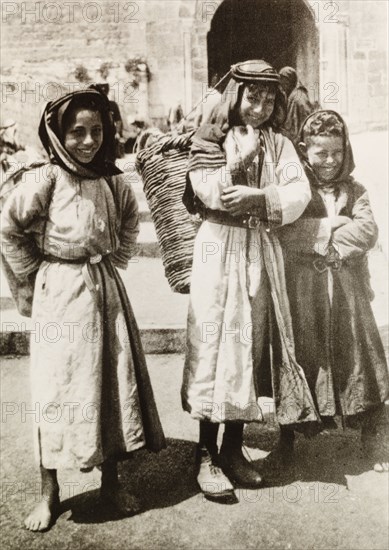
69,226
336,336
245,180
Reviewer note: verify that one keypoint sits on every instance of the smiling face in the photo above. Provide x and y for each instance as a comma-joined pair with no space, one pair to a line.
84,135
257,105
325,155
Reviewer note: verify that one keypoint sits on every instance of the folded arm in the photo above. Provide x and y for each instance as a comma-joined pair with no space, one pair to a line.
307,236
359,235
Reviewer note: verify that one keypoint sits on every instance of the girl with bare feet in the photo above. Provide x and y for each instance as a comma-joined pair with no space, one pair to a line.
66,228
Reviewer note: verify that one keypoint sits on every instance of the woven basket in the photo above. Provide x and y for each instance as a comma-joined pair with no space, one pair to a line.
162,167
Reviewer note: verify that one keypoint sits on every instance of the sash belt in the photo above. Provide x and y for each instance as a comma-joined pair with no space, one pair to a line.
224,218
85,262
321,263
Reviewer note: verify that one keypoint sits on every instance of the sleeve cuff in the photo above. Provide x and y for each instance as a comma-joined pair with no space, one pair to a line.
273,206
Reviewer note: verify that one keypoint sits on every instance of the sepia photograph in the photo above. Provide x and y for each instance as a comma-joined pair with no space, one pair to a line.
194,331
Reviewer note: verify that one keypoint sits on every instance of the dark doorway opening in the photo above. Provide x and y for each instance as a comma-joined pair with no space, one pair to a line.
283,32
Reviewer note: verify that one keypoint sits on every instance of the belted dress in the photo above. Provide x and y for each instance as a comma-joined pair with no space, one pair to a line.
239,342
91,392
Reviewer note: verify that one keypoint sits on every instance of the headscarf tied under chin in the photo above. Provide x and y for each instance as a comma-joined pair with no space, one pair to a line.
52,129
207,151
348,165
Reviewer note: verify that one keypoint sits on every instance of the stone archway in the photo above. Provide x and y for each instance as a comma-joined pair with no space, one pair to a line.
281,31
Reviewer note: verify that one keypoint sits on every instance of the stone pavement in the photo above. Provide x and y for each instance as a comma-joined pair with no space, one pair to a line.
327,498
161,314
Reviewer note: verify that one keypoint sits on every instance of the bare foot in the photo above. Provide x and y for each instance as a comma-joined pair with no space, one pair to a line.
41,517
381,467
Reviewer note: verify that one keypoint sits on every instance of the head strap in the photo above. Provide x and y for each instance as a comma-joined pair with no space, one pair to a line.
255,70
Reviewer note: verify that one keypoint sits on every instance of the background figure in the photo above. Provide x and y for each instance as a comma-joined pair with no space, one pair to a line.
131,134
14,157
175,117
9,141
299,104
9,145
117,149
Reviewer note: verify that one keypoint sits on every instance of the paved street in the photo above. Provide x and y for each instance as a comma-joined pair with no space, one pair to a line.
326,499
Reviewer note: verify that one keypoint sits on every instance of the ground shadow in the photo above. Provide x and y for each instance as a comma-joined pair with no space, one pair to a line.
164,479
329,457
158,480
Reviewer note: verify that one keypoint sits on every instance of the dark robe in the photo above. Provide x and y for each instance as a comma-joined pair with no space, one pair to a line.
299,107
336,337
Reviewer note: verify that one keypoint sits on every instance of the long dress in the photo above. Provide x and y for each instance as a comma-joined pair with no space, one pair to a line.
237,292
89,381
336,337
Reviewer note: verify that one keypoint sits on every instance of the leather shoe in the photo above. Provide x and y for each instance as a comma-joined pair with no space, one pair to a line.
212,481
239,469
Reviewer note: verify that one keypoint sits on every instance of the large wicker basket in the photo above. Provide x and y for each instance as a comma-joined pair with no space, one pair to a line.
162,167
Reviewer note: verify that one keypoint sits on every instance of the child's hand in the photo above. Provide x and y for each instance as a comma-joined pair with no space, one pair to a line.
338,221
240,199
248,143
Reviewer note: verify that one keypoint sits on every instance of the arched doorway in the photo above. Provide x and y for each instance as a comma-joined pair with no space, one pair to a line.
283,32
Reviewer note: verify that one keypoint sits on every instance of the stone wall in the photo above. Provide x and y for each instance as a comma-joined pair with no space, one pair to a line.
176,37
43,44
354,62
368,62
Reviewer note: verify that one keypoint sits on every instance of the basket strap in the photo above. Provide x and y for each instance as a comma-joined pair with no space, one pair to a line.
211,91
182,141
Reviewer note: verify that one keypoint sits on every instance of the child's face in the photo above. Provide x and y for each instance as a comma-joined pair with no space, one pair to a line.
84,135
325,155
256,106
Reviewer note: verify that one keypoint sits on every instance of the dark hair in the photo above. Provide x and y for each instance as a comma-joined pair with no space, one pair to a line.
278,115
76,106
323,124
89,104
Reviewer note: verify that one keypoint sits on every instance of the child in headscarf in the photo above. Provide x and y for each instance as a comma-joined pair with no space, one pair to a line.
66,228
336,336
245,179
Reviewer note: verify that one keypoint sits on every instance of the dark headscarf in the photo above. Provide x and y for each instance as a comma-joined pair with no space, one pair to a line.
52,128
290,75
348,164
